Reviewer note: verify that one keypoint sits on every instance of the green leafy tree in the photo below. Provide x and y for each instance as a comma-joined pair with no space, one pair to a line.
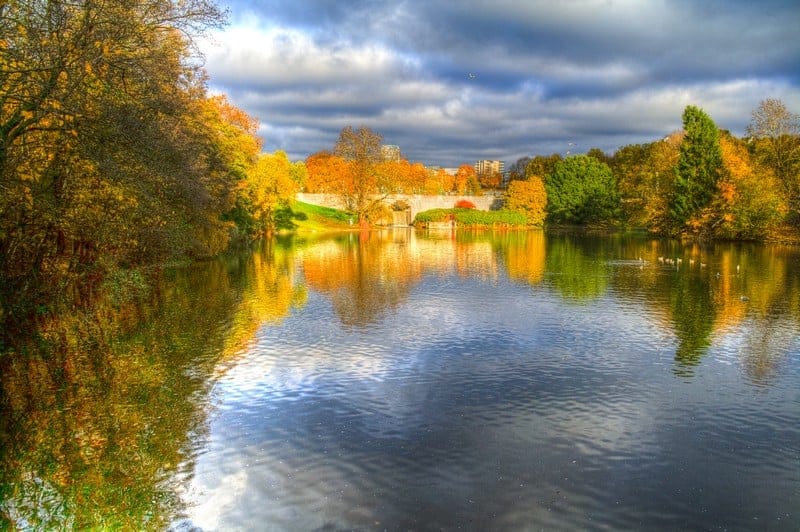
581,190
697,172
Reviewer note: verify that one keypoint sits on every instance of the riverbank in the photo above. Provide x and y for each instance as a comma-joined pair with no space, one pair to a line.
305,217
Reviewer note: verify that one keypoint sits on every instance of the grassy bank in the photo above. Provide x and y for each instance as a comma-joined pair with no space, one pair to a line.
304,217
307,218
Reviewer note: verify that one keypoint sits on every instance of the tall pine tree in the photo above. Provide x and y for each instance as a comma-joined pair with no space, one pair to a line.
698,168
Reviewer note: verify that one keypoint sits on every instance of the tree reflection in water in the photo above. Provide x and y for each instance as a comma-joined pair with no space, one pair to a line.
100,421
104,409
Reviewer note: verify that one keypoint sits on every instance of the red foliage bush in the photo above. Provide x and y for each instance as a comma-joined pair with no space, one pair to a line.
464,204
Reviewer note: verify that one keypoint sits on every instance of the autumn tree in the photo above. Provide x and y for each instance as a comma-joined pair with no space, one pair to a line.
361,148
528,197
644,175
271,185
697,171
542,165
396,172
748,202
466,180
581,190
490,179
775,132
234,142
629,165
439,182
401,176
326,173
107,156
416,179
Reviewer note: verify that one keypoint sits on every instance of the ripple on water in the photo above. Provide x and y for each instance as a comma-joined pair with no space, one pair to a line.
501,409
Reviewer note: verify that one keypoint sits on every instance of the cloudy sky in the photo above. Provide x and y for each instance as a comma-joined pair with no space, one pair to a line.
457,81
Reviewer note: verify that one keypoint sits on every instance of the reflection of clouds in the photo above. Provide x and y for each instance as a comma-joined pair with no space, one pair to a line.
226,491
488,405
363,413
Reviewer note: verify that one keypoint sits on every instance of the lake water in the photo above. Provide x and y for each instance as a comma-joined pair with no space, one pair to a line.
421,381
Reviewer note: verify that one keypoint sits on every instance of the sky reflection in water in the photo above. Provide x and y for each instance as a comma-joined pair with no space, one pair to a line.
511,382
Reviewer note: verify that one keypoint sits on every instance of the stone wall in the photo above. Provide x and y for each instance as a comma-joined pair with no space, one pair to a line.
417,202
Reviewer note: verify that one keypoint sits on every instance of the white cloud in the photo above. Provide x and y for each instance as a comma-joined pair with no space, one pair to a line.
277,57
597,73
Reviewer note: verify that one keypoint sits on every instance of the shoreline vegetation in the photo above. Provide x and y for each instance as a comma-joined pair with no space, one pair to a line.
114,162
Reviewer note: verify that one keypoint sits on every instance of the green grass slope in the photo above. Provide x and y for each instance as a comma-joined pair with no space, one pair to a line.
304,217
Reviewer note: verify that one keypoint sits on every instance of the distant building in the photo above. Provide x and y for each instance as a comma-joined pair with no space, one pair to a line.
391,152
487,167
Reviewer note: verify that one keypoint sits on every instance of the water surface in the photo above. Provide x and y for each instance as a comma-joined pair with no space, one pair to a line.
405,380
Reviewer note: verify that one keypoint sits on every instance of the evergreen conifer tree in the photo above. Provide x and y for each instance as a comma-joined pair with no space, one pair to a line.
698,168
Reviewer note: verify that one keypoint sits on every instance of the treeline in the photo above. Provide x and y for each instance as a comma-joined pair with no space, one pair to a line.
700,182
113,154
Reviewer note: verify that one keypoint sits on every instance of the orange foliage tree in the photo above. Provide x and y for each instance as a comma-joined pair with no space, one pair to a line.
490,180
748,203
644,178
402,176
466,181
326,173
367,187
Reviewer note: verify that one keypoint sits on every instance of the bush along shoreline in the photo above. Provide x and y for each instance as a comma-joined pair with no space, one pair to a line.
465,217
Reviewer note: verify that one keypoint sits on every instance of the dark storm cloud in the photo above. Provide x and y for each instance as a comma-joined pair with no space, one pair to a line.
455,81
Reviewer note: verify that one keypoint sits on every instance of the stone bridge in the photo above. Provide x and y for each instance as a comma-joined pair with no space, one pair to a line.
417,202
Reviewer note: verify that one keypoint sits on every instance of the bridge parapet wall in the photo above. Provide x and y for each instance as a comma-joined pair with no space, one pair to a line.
417,202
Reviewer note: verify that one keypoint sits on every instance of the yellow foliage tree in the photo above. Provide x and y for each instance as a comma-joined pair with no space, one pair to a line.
271,184
111,153
439,182
528,197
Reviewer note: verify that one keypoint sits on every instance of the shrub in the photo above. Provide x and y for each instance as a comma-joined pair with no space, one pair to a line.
433,215
472,217
490,218
464,204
